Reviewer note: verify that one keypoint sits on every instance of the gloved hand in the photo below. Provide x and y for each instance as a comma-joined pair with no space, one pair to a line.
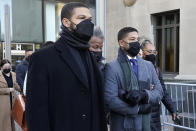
144,97
144,109
136,96
122,94
133,97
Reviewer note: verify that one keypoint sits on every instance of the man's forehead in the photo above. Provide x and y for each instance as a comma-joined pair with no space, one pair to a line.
132,34
82,11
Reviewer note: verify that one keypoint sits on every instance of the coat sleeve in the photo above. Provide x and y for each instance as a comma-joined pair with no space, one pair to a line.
37,94
19,75
167,101
4,91
155,95
16,86
111,96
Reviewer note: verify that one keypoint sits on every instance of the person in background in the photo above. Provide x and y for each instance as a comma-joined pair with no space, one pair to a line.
8,85
47,44
149,54
96,45
22,68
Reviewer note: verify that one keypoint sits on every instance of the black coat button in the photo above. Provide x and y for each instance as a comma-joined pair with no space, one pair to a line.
84,116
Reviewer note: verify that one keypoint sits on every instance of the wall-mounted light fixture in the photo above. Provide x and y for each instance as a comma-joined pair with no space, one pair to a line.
129,2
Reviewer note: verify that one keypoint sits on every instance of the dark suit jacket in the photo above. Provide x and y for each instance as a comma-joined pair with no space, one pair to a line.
58,96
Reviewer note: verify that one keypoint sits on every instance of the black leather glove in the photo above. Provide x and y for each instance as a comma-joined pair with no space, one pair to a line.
144,97
136,96
122,94
144,109
133,97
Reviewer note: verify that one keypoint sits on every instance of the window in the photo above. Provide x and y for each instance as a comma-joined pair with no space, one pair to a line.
166,28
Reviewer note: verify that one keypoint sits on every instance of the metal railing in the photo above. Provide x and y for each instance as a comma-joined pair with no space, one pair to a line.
184,97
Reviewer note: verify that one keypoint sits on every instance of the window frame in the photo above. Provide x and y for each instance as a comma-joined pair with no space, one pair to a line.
163,28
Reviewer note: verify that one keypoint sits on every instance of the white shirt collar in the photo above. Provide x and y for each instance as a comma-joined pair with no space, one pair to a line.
129,57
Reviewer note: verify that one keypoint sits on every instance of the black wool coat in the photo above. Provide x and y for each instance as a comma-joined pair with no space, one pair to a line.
58,95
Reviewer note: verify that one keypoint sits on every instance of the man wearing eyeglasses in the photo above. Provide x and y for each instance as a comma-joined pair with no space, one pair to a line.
149,54
149,51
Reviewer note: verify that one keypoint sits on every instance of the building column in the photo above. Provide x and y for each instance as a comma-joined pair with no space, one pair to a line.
101,20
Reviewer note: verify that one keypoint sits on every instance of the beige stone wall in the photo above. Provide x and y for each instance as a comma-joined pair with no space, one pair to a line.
138,16
119,16
187,40
116,18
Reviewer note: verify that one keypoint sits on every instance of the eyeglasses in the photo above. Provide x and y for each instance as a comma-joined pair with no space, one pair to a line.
151,52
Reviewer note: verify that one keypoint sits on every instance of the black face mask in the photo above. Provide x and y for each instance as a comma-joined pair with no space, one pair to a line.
6,71
151,58
134,48
97,55
84,30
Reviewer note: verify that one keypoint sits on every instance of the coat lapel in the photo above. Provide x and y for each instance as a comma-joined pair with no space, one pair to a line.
141,68
68,58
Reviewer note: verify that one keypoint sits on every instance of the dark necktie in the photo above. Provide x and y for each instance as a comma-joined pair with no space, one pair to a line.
134,66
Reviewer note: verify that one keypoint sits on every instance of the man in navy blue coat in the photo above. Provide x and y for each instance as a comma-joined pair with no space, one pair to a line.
22,68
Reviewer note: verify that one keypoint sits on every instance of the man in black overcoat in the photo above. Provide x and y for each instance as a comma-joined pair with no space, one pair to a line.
64,91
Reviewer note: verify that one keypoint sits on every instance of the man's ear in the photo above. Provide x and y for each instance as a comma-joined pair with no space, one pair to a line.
121,43
66,22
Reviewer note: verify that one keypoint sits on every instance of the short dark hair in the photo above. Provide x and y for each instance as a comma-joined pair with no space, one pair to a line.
124,31
67,10
5,61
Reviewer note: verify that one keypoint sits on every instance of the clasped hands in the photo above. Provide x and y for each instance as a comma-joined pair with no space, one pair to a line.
134,97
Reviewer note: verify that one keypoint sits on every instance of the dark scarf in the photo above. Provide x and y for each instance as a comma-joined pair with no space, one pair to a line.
93,75
131,83
129,75
73,40
95,87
